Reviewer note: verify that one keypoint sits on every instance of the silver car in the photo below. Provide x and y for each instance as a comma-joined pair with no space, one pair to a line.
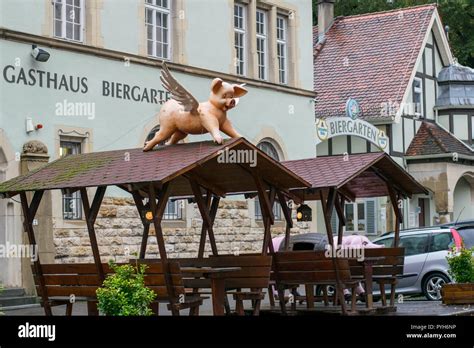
426,268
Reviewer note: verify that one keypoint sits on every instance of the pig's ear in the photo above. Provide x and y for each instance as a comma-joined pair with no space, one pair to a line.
216,85
239,91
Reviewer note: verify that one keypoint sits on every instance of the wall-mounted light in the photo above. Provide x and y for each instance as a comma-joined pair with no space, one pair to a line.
304,213
149,215
39,54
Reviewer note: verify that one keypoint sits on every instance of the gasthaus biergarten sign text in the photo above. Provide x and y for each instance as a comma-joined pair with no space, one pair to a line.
350,125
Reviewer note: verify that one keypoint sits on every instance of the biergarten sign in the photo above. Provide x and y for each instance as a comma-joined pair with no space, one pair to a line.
352,125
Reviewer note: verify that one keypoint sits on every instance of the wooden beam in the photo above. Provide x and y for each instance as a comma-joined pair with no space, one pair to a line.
97,201
398,214
29,213
267,220
213,213
203,209
91,214
350,196
215,189
287,214
146,224
388,181
264,200
327,212
158,211
339,204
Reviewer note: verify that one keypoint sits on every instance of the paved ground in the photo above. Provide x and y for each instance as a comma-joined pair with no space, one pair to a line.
409,307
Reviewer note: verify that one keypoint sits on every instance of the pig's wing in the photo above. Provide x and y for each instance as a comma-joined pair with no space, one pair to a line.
178,92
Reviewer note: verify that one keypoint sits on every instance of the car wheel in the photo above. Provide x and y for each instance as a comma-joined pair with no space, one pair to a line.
432,286
329,288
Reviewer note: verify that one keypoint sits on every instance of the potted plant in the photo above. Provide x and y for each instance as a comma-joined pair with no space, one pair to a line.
461,269
124,292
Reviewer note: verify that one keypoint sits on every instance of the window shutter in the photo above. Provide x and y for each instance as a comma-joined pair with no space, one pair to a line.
370,217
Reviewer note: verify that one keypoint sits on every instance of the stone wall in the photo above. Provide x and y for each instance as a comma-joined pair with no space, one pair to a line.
119,232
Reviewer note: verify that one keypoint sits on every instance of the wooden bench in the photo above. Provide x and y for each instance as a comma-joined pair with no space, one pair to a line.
253,276
386,269
247,284
66,283
310,268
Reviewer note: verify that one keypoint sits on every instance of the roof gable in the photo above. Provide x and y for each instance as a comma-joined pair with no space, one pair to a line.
432,139
369,57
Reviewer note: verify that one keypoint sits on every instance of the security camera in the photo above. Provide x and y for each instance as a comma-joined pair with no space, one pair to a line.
40,54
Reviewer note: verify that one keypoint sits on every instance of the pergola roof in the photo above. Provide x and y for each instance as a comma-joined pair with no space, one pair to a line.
132,169
355,176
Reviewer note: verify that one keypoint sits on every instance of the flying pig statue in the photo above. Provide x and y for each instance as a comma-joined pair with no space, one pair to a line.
183,114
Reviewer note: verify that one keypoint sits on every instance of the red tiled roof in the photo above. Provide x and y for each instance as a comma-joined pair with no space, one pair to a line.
355,173
431,139
166,163
368,57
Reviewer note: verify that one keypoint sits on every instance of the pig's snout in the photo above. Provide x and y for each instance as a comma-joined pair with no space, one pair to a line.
231,103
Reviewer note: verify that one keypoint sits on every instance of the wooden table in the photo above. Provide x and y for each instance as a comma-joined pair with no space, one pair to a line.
367,264
217,277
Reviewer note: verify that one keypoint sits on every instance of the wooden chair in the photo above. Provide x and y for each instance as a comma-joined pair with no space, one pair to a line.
385,271
66,283
310,268
249,282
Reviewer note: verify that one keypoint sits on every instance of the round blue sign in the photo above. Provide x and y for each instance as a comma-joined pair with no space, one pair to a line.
353,109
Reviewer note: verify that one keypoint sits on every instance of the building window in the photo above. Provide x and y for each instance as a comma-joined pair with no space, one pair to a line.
158,20
472,128
72,203
240,37
271,151
418,96
282,50
262,44
174,210
69,19
360,218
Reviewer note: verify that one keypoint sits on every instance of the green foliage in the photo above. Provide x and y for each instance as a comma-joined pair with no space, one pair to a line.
457,14
124,292
461,265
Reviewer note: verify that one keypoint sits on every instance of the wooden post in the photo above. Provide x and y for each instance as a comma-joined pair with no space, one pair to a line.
266,206
146,224
205,214
394,198
213,213
158,211
29,213
342,219
327,213
287,214
91,212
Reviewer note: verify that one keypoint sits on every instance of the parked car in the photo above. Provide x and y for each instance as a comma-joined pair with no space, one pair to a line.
426,268
465,229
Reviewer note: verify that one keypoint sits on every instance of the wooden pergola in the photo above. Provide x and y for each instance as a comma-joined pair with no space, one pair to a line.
195,171
337,179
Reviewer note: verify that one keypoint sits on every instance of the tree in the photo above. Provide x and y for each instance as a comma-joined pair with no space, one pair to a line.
458,15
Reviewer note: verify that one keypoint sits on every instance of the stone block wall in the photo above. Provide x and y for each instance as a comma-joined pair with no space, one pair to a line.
119,233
